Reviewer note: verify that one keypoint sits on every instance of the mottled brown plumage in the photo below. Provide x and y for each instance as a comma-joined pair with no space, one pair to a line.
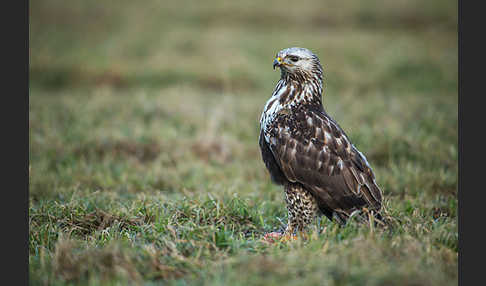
307,152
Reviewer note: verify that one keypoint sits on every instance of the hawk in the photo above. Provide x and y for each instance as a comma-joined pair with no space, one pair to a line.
307,152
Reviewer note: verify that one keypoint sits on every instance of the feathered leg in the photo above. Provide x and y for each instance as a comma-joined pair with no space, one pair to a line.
302,209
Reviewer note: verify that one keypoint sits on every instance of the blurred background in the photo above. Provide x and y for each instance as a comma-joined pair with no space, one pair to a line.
228,45
162,99
122,79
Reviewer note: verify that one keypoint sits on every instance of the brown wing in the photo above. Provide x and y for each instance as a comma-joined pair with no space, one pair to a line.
313,150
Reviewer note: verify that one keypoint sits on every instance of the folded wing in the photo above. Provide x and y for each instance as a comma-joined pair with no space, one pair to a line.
311,149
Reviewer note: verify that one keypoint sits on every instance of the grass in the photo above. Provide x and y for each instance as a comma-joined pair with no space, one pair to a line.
144,162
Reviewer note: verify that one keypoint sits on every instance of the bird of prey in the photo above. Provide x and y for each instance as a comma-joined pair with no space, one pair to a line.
307,152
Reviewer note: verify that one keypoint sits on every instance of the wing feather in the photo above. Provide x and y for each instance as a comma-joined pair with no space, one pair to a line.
313,150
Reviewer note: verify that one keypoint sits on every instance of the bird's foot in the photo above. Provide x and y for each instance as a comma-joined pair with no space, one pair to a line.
288,237
273,237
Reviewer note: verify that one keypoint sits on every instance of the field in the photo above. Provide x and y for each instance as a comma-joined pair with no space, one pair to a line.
144,166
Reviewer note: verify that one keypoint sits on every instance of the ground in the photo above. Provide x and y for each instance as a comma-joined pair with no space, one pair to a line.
144,163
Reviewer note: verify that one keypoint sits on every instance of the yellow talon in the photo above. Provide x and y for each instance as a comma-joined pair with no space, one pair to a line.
288,237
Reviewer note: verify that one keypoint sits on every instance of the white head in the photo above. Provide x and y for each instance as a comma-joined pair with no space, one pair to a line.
298,63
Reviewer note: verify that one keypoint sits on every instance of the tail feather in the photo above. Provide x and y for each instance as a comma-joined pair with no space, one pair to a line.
373,195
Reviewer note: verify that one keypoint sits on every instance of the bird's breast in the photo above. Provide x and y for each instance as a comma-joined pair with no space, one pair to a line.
286,99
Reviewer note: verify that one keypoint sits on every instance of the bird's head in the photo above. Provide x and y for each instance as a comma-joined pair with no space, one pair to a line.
298,62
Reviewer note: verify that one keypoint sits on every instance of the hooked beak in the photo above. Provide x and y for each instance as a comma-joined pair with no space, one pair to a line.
277,62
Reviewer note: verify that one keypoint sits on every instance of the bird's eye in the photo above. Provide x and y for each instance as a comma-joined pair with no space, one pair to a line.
294,58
